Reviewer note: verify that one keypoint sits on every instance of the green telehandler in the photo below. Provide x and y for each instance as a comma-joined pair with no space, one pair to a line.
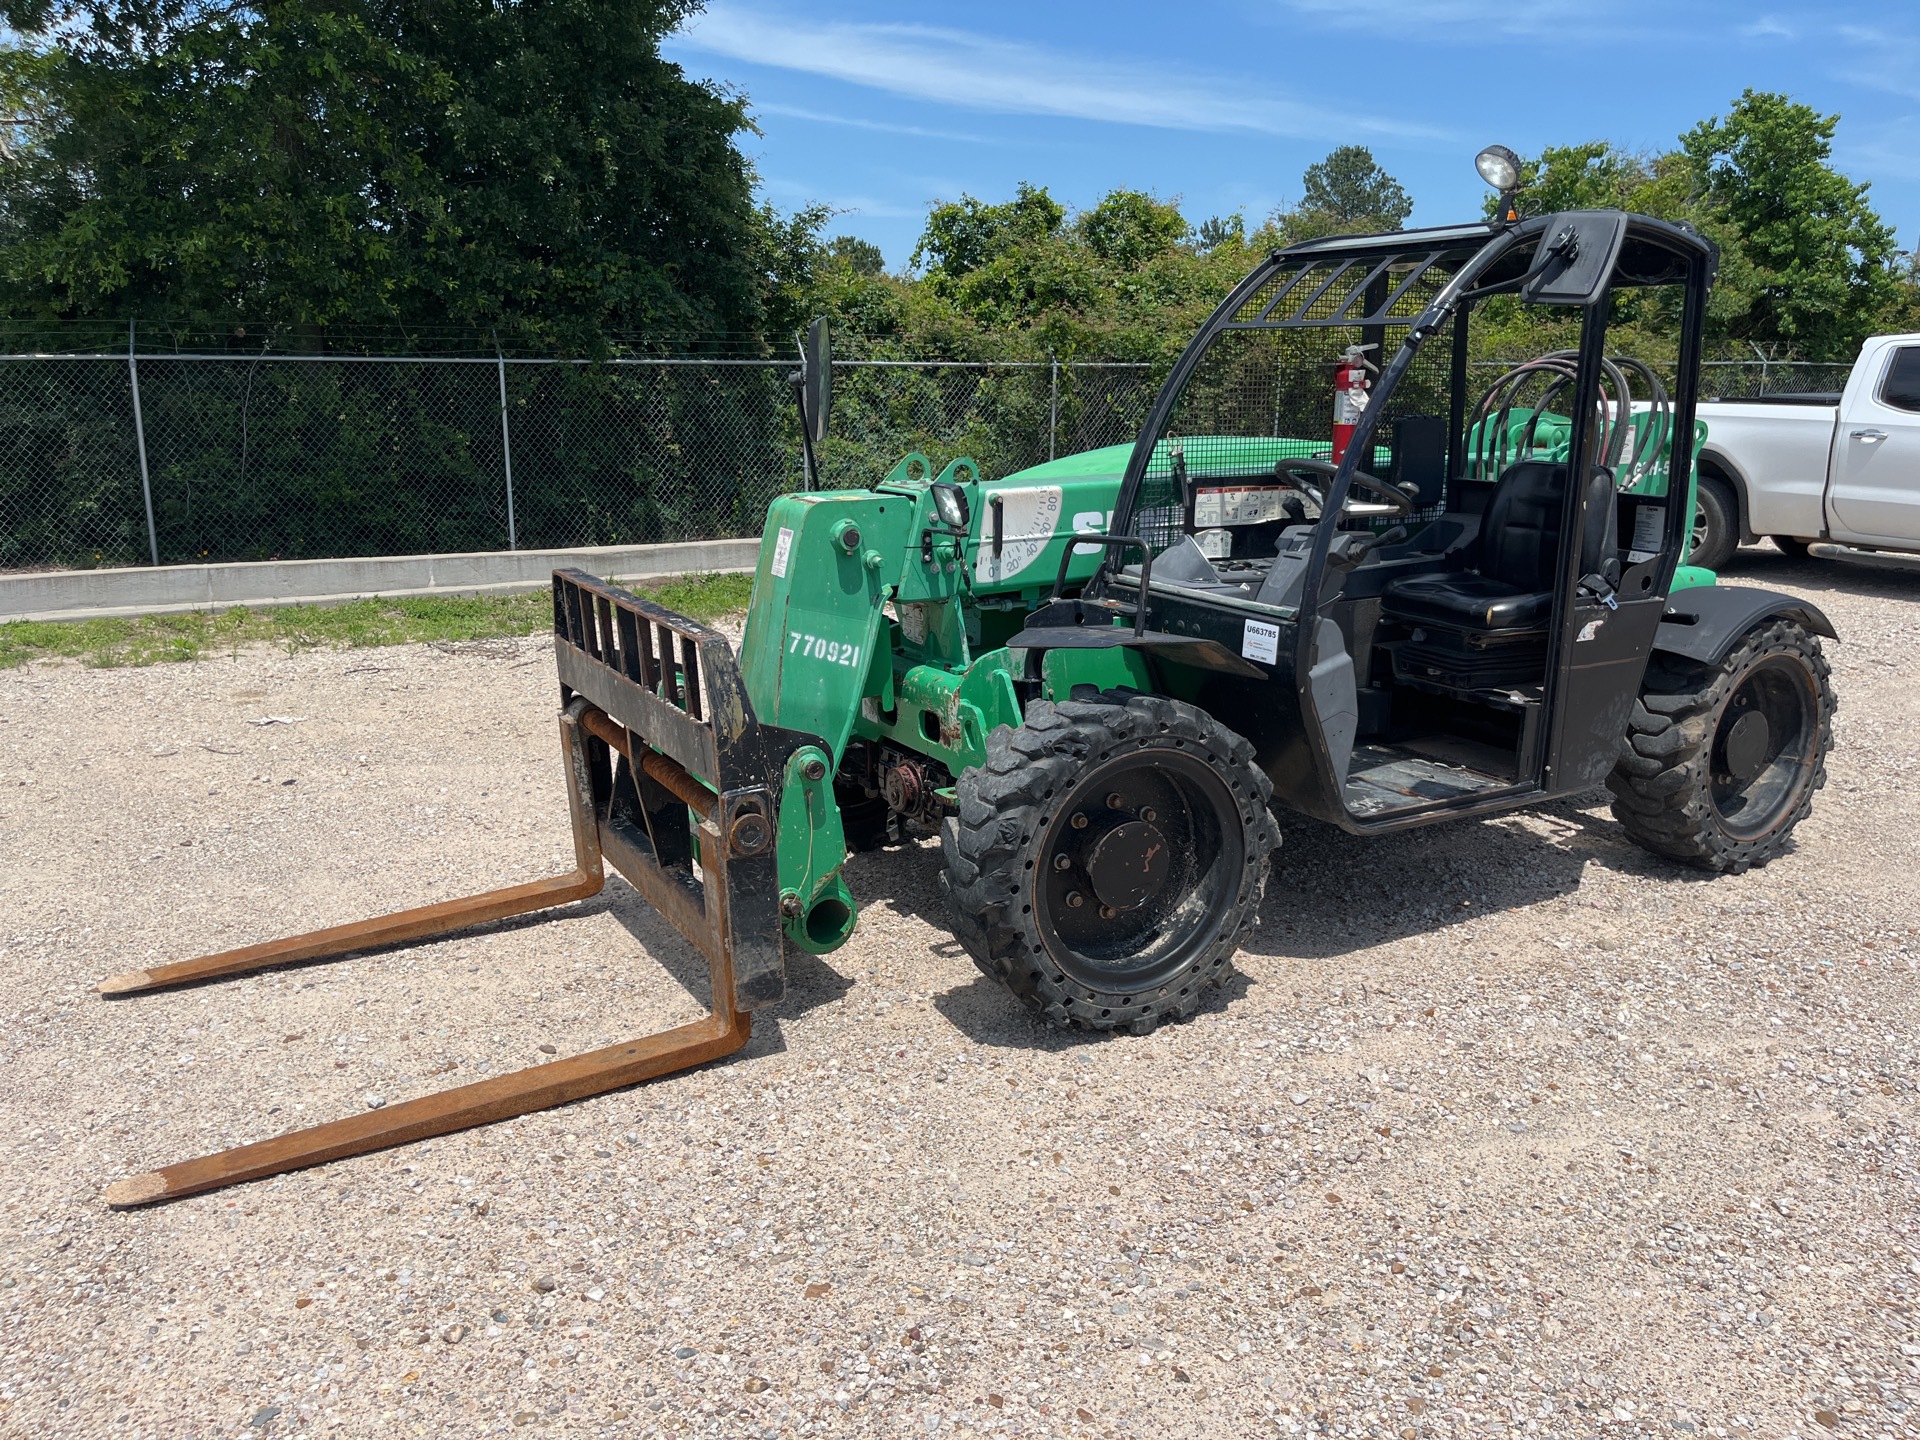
1377,599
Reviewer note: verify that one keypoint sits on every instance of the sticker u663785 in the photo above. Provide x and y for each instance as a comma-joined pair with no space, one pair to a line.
1261,641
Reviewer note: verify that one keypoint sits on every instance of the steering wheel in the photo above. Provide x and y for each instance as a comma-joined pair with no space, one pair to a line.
1290,470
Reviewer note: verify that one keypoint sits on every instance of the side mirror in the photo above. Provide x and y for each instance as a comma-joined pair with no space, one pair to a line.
816,370
950,504
1574,264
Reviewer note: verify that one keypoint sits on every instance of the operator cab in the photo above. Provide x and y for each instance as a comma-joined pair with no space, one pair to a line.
1422,594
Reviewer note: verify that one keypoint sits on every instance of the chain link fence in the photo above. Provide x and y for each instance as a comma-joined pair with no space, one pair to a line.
169,459
163,459
1735,379
1749,379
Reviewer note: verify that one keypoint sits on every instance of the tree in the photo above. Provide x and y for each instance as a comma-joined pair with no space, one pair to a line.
1820,259
1902,315
1599,175
306,164
1218,230
1127,228
1348,192
862,257
963,235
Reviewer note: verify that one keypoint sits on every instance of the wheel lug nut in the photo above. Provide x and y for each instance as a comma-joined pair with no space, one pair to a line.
1062,862
1116,801
1107,912
1149,815
1075,900
1079,822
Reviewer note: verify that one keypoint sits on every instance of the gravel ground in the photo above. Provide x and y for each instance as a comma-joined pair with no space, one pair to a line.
1507,1129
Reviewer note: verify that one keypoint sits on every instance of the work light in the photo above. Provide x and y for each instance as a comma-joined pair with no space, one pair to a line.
950,504
1499,167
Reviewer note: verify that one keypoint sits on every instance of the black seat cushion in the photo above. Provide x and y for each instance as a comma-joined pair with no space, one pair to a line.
1465,601
1518,555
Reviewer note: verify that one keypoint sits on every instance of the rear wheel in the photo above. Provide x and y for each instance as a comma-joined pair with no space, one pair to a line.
1716,524
1108,858
1721,762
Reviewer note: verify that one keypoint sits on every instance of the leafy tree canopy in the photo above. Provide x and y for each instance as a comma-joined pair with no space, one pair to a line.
322,164
963,235
1806,265
1819,259
1128,228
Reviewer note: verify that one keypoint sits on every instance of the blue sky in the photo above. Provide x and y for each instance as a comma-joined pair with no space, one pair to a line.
1222,103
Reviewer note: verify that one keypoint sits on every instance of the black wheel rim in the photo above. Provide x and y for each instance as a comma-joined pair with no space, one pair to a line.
1138,870
1763,747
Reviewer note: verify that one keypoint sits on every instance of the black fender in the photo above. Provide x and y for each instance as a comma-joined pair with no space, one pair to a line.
1190,650
1705,622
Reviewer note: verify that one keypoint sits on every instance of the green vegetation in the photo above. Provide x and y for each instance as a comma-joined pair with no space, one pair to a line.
1808,269
305,173
337,177
309,167
703,597
152,639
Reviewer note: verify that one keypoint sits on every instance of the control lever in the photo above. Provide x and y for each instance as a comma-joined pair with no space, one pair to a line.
1350,549
1369,543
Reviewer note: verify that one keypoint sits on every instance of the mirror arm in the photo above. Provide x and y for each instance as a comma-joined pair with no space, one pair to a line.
798,380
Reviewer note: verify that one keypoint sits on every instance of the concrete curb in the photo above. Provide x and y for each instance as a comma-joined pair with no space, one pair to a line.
174,589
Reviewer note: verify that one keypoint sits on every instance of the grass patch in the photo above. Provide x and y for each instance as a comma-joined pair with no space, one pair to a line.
703,597
156,639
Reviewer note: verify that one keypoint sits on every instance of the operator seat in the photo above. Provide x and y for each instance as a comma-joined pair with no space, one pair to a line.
1509,590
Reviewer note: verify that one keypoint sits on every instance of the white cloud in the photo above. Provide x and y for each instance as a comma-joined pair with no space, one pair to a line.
1878,152
867,205
980,72
1769,27
1468,20
796,112
1884,59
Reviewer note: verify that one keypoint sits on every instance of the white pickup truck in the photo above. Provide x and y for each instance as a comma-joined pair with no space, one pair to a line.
1835,470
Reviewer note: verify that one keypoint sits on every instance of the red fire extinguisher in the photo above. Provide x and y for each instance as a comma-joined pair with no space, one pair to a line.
1350,383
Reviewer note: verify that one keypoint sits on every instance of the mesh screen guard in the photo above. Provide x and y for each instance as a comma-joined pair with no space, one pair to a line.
1262,391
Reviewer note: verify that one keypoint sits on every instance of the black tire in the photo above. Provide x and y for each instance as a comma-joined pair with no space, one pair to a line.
1790,547
1141,945
1721,762
1716,524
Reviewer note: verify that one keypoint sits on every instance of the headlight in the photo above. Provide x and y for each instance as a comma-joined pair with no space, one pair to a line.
1499,167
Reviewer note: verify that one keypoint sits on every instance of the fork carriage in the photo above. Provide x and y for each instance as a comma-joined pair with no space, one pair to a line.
673,783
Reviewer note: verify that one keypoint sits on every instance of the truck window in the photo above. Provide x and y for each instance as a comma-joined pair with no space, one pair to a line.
1902,387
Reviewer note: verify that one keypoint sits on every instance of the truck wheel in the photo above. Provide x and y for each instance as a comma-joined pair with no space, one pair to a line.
1721,762
1108,858
1793,549
1716,524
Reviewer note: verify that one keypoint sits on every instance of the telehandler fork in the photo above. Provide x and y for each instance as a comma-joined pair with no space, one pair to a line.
650,700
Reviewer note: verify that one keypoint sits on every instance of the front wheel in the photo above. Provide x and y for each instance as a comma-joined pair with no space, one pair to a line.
1721,762
1790,547
1108,858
